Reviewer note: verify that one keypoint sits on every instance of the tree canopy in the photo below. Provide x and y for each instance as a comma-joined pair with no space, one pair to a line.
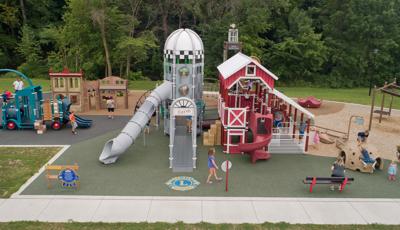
305,42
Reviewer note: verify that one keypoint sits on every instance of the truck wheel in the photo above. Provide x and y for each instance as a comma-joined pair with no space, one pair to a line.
11,125
56,125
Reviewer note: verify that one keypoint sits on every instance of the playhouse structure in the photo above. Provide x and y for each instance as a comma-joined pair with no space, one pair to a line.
88,95
250,107
70,85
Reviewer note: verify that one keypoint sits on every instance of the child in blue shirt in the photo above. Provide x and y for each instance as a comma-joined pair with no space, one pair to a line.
212,166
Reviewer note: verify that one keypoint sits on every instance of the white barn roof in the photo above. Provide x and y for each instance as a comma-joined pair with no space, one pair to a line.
183,39
237,62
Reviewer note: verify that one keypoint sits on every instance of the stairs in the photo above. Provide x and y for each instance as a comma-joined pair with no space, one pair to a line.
285,145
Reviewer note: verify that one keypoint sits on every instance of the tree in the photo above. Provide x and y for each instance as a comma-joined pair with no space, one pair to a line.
98,15
136,48
29,48
301,52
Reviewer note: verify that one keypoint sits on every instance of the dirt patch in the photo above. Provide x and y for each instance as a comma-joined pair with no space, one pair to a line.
327,107
384,136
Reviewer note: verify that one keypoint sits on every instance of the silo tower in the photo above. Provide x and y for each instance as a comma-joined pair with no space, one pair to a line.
183,66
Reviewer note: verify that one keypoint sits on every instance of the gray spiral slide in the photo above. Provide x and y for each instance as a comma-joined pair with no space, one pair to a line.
117,146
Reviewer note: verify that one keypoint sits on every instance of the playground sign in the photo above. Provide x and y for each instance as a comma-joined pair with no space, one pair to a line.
224,164
182,183
183,111
68,178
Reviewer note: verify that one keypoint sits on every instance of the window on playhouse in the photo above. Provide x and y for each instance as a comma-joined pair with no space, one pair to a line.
74,99
58,82
251,70
74,83
77,82
55,80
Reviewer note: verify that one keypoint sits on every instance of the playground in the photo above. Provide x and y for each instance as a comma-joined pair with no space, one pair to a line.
140,172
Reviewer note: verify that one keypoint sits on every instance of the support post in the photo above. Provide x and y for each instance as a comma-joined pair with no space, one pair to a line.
372,108
308,134
294,122
390,107
301,121
382,104
227,176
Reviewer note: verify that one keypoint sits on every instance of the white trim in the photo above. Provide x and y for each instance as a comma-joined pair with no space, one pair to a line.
247,70
237,62
42,169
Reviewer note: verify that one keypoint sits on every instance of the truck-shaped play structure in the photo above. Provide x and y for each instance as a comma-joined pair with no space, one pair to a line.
28,106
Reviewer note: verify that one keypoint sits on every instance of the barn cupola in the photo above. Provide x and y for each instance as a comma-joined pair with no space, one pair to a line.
233,34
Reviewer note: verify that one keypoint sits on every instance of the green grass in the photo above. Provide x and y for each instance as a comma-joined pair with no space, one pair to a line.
18,164
356,95
180,225
6,84
143,85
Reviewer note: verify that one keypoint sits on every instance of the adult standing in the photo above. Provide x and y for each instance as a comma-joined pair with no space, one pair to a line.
110,107
18,84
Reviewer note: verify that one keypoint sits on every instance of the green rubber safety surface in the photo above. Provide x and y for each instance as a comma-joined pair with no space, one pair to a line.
144,170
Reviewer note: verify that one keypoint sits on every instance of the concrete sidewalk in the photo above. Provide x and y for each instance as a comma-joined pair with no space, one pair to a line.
197,209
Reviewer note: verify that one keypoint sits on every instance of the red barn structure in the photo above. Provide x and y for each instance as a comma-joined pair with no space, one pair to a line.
254,113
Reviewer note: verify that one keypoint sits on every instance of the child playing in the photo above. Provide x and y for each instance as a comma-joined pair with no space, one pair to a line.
366,158
392,170
212,166
337,170
316,137
74,125
302,129
362,136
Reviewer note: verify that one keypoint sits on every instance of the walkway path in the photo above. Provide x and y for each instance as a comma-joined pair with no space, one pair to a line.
101,125
197,209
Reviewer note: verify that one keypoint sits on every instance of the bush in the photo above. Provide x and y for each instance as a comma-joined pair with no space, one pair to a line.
137,76
33,70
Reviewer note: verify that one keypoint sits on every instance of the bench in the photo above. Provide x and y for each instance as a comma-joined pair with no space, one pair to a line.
53,172
342,181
